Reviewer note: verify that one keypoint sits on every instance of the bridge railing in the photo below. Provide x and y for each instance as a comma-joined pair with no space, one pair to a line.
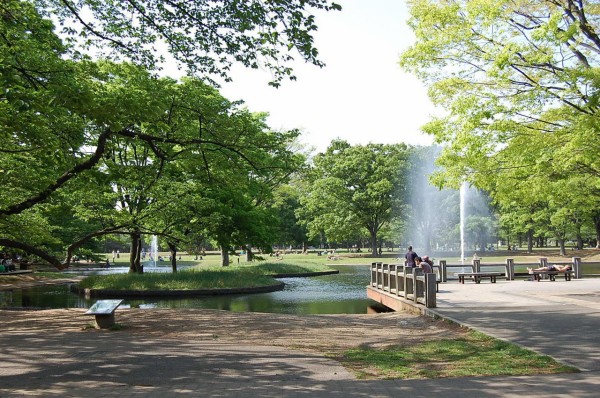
409,283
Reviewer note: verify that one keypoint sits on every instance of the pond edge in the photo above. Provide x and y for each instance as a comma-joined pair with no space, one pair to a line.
278,285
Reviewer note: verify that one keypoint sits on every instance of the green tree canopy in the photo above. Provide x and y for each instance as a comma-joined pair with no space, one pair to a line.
206,37
353,188
519,80
64,122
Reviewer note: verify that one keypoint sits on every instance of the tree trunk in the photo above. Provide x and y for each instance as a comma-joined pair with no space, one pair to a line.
579,241
373,243
173,251
596,218
135,265
249,254
304,247
224,256
561,244
530,241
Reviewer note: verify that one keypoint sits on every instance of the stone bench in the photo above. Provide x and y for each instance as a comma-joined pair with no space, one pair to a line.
104,312
537,275
478,275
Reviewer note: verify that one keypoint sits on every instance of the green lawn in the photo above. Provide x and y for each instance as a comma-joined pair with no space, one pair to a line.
203,277
474,355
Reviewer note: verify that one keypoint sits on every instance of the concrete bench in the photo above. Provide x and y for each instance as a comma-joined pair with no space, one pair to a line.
537,275
104,312
478,275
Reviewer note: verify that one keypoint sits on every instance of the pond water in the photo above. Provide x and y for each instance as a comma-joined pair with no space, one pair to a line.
343,293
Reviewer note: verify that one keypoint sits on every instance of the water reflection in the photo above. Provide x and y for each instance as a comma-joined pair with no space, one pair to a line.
343,293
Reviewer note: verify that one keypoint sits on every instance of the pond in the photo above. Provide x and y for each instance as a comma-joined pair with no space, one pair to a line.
343,293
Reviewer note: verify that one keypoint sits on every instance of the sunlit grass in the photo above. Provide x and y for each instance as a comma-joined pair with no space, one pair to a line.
475,355
212,277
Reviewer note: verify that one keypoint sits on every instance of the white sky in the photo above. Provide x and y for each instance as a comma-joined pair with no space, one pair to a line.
361,96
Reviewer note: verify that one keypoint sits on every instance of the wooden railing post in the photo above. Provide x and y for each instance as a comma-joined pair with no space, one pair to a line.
373,274
406,286
543,263
409,282
418,287
430,295
577,267
386,277
510,269
476,265
443,271
400,280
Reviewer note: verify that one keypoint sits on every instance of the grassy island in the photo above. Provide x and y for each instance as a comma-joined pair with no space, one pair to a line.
213,277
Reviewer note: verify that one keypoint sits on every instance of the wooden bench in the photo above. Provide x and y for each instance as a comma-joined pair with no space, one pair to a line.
537,275
478,275
104,311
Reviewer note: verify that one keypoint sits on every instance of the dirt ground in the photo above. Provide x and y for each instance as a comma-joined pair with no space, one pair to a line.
316,333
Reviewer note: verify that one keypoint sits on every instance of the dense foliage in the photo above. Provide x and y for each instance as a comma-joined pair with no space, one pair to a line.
91,148
354,188
519,81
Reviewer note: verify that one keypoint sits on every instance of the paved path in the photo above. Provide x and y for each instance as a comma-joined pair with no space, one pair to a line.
559,318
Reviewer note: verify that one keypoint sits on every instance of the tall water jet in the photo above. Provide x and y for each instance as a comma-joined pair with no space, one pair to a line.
463,218
154,250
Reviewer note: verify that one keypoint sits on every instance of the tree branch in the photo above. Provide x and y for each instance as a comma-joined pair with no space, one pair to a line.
33,250
77,169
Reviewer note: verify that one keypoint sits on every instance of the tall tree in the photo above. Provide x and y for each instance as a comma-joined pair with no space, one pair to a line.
290,232
354,186
59,112
519,81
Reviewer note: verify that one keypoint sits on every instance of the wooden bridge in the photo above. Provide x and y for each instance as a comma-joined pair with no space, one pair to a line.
395,286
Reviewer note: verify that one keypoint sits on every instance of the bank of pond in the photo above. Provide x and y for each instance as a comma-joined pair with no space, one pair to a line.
339,289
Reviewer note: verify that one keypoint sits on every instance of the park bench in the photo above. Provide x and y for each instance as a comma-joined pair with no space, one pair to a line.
104,312
476,276
537,275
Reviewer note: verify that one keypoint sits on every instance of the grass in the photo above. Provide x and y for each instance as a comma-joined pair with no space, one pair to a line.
295,267
211,277
474,355
521,256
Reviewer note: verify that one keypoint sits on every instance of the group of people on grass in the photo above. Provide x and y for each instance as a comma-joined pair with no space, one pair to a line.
414,261
6,264
10,262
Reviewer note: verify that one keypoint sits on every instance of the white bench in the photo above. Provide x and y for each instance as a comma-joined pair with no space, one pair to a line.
104,312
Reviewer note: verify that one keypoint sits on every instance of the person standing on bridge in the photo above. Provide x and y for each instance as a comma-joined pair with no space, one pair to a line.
410,257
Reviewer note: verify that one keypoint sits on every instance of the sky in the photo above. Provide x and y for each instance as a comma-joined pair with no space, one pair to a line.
360,96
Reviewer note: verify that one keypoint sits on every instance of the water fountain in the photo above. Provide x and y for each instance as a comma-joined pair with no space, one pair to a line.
463,218
154,250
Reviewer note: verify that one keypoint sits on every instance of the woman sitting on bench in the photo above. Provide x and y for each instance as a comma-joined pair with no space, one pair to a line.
557,268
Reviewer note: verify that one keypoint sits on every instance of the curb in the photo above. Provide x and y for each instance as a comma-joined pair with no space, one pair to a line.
303,274
176,293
